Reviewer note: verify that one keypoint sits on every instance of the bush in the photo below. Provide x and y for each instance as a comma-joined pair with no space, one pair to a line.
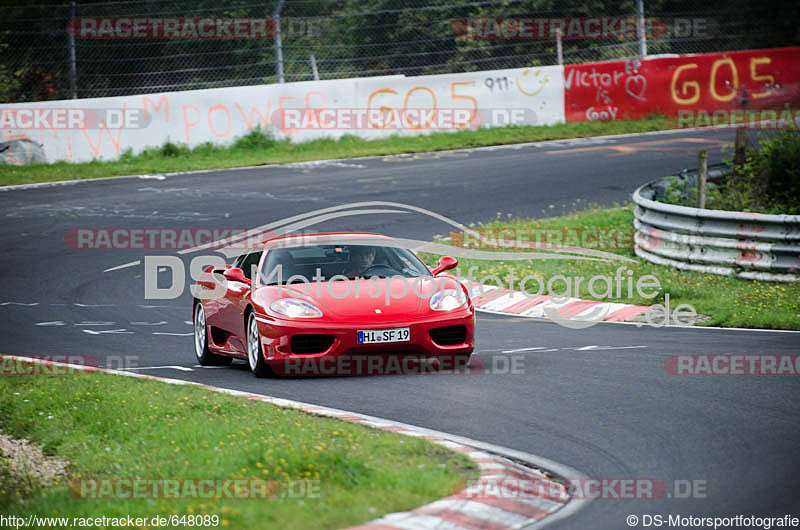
767,182
783,160
170,149
256,139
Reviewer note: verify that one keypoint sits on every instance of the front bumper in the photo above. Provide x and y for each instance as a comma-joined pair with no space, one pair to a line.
276,337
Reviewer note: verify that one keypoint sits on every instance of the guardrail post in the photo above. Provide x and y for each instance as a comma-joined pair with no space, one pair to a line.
702,176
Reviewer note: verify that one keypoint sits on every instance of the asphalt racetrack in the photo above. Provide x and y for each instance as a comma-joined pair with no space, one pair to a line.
598,400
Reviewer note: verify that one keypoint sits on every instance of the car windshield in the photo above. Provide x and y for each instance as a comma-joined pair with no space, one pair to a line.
313,263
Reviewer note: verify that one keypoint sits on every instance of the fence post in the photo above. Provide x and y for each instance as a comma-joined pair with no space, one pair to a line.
278,43
314,67
640,28
73,75
702,176
559,47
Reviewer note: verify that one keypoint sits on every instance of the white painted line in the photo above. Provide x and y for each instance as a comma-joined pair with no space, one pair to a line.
121,331
172,334
412,433
518,350
124,266
378,424
591,348
171,367
489,466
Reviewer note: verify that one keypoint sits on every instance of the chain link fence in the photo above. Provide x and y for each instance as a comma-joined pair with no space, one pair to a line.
327,39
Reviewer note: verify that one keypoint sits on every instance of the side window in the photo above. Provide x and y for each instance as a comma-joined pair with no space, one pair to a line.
250,260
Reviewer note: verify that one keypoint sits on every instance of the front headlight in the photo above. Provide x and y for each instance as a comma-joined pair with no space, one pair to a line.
294,308
448,299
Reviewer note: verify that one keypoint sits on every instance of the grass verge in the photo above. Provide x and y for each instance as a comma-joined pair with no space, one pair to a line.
257,148
730,302
111,426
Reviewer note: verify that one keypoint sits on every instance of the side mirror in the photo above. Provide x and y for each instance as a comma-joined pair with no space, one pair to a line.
236,275
445,264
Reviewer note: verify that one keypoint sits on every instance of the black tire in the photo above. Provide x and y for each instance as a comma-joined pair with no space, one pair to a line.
201,351
255,354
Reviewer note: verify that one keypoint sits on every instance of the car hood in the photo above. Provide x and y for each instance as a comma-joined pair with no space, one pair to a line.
377,299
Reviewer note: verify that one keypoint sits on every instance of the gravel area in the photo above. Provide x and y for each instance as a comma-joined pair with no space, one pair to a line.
24,460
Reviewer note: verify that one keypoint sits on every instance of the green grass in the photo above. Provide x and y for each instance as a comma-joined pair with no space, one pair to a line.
257,148
112,426
730,302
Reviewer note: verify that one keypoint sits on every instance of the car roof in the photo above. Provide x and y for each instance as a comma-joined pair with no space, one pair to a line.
320,238
325,238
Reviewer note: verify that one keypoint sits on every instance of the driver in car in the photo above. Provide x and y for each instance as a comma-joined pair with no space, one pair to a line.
361,259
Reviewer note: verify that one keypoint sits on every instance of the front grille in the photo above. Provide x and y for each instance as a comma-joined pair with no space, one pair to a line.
449,335
311,343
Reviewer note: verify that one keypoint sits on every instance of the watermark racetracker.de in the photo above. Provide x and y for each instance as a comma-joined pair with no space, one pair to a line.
75,117
53,365
384,118
19,123
129,488
732,364
180,28
768,119
574,28
64,364
596,488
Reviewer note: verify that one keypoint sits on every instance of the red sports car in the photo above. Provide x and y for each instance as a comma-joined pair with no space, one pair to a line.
329,298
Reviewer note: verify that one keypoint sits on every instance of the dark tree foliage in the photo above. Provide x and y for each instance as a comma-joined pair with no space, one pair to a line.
348,38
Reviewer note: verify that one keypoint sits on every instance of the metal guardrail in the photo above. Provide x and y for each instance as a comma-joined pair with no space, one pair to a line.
742,244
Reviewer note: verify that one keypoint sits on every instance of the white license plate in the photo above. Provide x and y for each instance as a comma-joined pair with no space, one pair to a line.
380,336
